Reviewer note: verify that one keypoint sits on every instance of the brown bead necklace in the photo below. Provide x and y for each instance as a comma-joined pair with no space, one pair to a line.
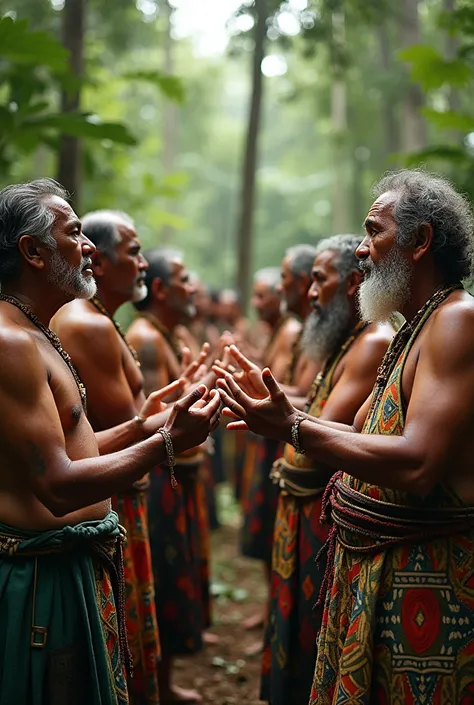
95,301
53,339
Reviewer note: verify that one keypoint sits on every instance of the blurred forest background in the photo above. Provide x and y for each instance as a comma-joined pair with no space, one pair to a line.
234,130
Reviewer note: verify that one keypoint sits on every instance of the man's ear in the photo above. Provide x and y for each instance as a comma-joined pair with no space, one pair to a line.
353,282
158,289
423,240
32,251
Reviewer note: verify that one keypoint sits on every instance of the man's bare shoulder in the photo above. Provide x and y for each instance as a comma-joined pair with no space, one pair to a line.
142,332
449,335
20,357
78,321
369,349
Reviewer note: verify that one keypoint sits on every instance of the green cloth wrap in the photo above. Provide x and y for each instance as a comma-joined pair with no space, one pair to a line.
74,602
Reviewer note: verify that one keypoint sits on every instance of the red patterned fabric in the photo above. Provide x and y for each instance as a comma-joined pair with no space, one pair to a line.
142,629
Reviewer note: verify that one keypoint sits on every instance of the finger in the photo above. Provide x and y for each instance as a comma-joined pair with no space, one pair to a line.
222,384
244,362
237,391
271,384
186,402
169,389
237,426
206,349
185,357
220,372
214,403
227,412
232,404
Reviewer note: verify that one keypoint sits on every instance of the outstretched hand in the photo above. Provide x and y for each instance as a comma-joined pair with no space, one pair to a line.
193,370
193,418
271,416
156,402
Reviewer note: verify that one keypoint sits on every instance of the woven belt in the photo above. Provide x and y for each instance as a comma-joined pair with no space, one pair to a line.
299,482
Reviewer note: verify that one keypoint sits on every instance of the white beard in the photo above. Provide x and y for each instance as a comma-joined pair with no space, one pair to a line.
324,330
70,280
139,292
387,287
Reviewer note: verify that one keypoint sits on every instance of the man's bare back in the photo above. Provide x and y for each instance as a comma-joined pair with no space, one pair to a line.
31,370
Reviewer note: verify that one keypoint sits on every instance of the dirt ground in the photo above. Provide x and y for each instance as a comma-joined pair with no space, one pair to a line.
222,673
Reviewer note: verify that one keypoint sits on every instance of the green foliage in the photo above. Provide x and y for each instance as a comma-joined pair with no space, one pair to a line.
432,71
171,86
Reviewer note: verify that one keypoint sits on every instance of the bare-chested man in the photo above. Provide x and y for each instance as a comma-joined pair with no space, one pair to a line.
175,530
59,580
399,606
110,372
351,353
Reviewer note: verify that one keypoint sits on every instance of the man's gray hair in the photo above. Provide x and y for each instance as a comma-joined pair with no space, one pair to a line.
429,198
25,210
271,276
345,247
101,227
160,261
301,258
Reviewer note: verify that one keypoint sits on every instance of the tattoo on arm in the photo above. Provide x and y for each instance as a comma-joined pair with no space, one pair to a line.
37,462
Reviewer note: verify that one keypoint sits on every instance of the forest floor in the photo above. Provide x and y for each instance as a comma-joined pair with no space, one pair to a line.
222,673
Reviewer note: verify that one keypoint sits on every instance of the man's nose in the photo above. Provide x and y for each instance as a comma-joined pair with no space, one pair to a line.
142,263
363,250
88,247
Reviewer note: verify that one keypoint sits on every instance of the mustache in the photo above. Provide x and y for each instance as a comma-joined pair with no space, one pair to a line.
86,263
366,265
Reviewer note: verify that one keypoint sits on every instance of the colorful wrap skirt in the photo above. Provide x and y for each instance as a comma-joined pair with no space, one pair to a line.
398,623
59,628
290,641
142,629
260,498
175,539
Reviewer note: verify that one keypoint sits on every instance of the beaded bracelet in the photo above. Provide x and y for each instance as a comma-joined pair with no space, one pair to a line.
169,455
295,434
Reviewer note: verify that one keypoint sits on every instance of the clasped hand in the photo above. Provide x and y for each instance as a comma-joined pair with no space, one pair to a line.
254,400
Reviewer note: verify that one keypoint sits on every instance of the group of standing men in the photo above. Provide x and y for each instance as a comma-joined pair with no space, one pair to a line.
365,426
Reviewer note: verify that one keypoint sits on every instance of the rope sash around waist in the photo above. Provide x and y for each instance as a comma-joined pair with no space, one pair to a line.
299,482
364,525
108,550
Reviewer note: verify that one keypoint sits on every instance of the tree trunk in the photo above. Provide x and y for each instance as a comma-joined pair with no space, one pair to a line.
414,135
247,203
389,117
451,47
170,120
70,152
340,199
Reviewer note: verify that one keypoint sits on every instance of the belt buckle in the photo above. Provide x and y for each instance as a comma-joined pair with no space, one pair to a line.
42,634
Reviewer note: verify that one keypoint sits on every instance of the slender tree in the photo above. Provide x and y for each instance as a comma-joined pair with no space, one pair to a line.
70,153
248,187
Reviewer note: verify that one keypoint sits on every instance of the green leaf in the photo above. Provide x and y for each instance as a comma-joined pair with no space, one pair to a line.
431,70
19,44
171,86
451,154
81,125
449,120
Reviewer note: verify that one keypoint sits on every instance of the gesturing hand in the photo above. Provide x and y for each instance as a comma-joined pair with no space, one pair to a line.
272,416
155,402
193,371
193,418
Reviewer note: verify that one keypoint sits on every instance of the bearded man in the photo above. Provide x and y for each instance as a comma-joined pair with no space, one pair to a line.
109,368
60,545
398,599
178,529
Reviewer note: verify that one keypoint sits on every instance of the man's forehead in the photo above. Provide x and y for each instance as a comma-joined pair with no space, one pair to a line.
383,205
61,208
324,260
127,232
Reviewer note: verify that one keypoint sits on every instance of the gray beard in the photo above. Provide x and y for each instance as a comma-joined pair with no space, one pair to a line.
324,330
139,292
70,280
387,287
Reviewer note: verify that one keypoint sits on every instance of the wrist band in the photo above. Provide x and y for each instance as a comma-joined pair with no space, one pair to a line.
139,421
169,455
295,434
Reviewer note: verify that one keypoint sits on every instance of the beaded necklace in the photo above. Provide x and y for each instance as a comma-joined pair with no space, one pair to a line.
95,301
52,339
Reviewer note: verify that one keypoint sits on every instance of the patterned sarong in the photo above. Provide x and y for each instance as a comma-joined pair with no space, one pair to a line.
260,499
142,629
290,640
176,557
58,582
398,624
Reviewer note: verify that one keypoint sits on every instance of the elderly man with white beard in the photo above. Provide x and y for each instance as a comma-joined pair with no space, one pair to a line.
349,352
109,368
398,596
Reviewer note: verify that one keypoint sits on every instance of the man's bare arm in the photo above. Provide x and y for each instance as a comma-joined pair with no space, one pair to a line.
34,442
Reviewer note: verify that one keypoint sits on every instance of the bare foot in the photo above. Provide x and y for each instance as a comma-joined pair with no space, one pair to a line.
256,621
180,696
210,639
254,649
